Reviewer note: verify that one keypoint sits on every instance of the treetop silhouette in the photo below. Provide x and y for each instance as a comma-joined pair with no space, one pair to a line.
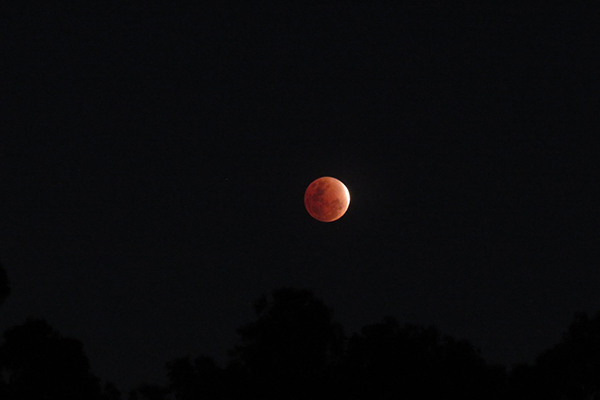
36,362
294,333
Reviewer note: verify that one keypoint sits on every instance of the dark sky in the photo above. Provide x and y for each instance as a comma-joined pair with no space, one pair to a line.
153,162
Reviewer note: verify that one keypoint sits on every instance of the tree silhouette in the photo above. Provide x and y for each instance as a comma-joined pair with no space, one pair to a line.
291,346
110,392
294,333
295,350
399,360
569,370
200,379
525,382
148,392
36,362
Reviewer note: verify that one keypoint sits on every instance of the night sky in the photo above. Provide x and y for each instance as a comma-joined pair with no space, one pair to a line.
153,163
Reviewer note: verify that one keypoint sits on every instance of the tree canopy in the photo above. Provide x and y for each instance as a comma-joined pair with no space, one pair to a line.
294,349
36,362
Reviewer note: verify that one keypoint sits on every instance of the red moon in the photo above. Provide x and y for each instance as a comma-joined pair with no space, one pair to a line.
326,199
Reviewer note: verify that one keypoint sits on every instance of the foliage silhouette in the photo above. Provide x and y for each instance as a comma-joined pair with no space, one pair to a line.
525,382
295,350
200,379
291,346
148,392
36,362
294,332
110,392
398,360
569,370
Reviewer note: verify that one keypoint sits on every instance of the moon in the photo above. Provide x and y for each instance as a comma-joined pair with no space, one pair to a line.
326,199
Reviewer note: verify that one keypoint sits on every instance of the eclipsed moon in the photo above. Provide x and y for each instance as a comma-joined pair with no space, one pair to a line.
326,199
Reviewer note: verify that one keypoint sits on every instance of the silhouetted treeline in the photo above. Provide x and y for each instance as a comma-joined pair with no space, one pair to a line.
569,370
39,363
295,350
